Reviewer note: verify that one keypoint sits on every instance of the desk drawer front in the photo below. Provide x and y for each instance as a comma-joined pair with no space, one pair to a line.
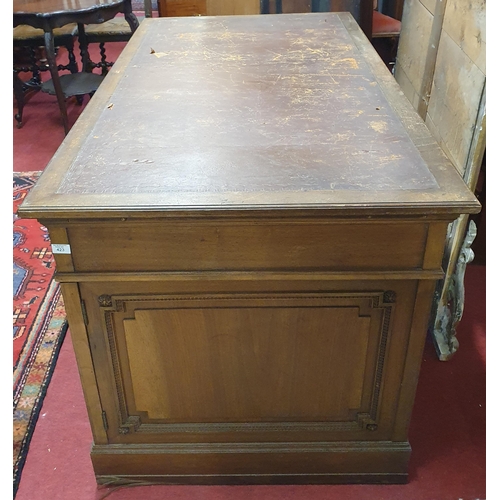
250,246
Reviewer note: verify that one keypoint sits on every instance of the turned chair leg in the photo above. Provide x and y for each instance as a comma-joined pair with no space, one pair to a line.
35,71
72,64
19,95
104,64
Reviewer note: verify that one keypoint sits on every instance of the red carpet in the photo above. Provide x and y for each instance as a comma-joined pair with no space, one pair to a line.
447,431
33,266
39,321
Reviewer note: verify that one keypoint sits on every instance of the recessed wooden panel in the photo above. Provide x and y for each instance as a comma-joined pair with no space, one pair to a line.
247,364
174,247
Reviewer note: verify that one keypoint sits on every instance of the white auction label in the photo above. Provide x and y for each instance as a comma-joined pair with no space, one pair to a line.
61,248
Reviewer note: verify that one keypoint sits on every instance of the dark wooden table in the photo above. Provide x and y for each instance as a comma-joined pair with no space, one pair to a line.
51,14
248,240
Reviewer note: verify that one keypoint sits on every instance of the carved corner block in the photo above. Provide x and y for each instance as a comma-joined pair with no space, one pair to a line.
366,421
132,424
105,301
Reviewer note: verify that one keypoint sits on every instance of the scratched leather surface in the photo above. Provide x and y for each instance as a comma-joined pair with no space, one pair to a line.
247,104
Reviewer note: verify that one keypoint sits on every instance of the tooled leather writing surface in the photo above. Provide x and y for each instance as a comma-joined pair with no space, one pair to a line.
247,104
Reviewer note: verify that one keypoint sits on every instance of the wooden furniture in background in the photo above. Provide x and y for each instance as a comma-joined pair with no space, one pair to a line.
48,15
385,36
115,30
385,26
441,68
360,9
29,57
248,250
393,8
176,8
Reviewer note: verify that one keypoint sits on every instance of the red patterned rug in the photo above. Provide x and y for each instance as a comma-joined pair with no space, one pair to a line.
39,321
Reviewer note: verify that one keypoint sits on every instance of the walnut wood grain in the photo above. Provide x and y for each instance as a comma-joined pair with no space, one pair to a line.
248,246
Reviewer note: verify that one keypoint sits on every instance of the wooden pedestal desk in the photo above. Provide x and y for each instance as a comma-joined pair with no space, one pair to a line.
248,221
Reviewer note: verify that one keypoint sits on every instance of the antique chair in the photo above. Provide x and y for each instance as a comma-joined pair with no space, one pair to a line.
115,30
29,57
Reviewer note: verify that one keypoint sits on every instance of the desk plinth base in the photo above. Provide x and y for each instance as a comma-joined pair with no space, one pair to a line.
251,463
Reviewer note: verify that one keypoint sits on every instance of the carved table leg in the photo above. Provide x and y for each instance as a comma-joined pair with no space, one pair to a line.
449,313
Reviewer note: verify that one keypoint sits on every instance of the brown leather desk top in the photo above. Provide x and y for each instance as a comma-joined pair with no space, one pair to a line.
249,112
